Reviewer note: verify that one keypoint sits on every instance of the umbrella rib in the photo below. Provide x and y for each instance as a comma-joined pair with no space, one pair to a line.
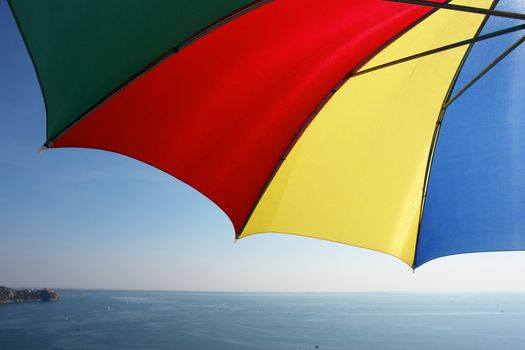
444,48
485,70
463,8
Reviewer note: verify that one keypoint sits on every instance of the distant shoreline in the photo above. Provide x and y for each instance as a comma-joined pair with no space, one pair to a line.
12,296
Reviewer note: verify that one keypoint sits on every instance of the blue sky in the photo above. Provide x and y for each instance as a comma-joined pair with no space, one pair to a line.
91,219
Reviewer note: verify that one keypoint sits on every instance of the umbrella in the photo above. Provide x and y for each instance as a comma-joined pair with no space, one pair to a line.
317,118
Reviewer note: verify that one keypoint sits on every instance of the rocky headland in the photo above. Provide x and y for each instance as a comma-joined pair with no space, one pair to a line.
9,296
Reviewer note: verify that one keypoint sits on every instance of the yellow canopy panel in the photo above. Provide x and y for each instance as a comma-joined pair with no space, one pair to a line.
357,173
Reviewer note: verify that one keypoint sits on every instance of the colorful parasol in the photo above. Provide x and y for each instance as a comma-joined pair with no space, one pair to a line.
317,118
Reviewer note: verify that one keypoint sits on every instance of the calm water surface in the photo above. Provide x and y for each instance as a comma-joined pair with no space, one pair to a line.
179,320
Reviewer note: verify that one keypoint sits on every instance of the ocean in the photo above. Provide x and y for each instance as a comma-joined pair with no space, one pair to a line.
186,320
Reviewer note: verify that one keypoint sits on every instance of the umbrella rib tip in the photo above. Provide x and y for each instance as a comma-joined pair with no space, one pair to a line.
41,149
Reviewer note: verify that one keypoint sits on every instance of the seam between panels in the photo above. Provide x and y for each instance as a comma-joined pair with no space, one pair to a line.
210,28
437,129
316,111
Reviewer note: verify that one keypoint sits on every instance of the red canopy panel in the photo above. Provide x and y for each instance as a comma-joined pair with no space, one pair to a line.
219,114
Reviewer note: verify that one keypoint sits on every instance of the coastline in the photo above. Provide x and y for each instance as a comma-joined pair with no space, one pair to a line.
12,296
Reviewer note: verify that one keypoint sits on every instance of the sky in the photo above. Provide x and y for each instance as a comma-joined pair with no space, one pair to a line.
79,218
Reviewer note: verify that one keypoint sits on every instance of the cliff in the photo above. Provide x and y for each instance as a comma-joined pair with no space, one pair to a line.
8,295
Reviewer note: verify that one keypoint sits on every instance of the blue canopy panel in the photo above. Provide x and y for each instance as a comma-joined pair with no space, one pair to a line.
476,191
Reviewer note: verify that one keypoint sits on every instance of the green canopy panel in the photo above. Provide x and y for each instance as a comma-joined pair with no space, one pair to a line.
85,49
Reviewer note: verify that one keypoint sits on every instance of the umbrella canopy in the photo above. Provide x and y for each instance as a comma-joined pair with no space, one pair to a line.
316,118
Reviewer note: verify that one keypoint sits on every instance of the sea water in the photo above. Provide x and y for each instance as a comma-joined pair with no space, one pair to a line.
183,320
